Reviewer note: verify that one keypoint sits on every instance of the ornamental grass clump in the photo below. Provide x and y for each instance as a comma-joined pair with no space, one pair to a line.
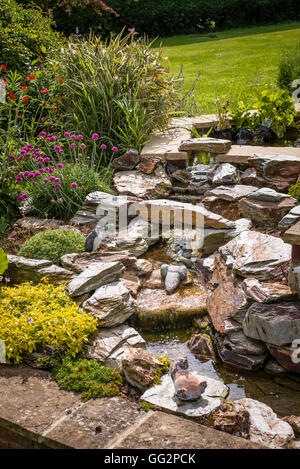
53,244
88,377
33,316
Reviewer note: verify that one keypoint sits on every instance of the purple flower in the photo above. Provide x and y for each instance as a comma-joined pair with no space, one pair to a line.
11,156
73,145
26,173
57,148
28,320
45,180
80,136
31,175
73,185
95,137
19,178
46,159
52,178
42,170
115,149
20,158
37,173
57,180
43,134
50,170
72,137
57,186
59,165
103,146
67,134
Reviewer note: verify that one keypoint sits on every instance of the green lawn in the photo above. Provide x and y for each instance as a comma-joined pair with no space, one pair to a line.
236,64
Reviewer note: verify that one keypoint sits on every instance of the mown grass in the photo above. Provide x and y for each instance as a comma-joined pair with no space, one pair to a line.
236,64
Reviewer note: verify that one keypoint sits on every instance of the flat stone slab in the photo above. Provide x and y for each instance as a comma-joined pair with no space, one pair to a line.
162,430
292,235
231,193
162,395
161,145
206,144
240,153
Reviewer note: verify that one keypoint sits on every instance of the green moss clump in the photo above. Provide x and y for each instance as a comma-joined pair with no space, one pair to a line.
88,377
52,244
146,406
163,370
294,191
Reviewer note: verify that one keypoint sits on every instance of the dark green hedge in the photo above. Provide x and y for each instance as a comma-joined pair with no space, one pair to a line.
170,17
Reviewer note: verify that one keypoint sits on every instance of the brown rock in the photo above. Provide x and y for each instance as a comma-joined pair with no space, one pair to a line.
202,346
245,362
292,235
205,144
281,170
286,357
233,420
227,301
139,367
265,212
229,210
148,164
294,422
127,161
263,292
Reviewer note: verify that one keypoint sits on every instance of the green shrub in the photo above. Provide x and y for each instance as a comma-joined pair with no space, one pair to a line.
26,35
52,244
294,191
3,261
33,316
88,377
289,68
119,89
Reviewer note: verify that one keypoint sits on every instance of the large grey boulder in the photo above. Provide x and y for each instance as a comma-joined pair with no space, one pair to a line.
96,275
109,345
277,324
111,304
254,254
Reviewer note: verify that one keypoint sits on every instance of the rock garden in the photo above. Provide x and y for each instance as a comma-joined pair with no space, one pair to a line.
161,270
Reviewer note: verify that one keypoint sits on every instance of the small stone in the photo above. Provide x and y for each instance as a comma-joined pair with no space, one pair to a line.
232,420
202,346
226,174
294,422
143,267
182,175
173,275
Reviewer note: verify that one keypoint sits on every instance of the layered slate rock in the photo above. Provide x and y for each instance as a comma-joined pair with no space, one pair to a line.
202,346
135,239
146,186
79,262
148,164
263,292
292,235
292,217
237,342
96,275
22,269
238,360
155,308
226,174
231,193
163,395
214,238
206,144
254,254
99,205
140,367
276,324
288,357
265,427
266,206
227,301
172,212
111,304
109,345
280,170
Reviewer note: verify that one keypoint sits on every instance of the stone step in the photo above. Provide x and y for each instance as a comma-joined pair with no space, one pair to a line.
239,154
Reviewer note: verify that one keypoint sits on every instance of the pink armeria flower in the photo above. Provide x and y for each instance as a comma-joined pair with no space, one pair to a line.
74,185
45,180
59,165
43,134
73,145
67,134
57,186
103,146
95,137
115,149
80,136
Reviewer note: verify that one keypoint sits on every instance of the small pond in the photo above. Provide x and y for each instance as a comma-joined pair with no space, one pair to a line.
281,393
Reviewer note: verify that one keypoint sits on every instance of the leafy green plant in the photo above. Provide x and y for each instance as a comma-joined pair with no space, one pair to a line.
223,117
88,377
116,88
52,244
242,117
289,68
294,191
31,316
3,261
26,35
277,106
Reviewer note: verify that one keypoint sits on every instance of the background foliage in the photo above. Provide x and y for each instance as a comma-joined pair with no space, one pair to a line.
170,17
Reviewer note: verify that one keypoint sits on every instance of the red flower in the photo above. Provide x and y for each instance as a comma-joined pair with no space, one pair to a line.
31,77
4,67
61,80
4,82
11,95
25,99
23,87
44,91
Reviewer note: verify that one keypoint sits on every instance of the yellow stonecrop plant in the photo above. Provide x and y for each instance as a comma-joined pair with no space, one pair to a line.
37,315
